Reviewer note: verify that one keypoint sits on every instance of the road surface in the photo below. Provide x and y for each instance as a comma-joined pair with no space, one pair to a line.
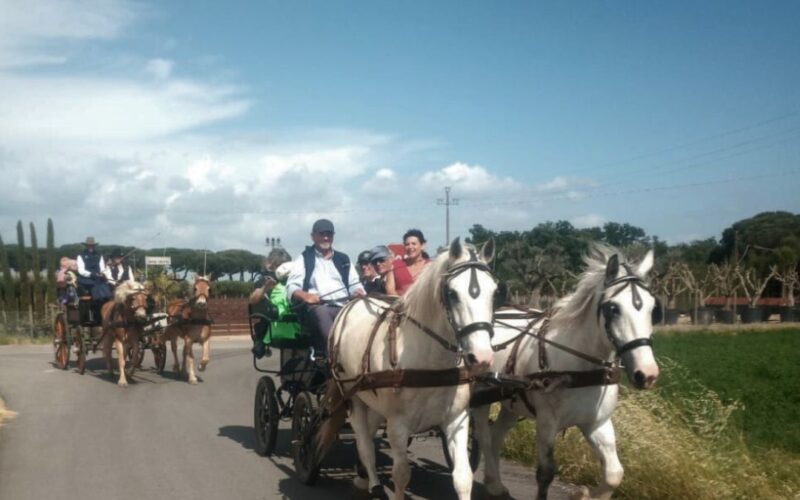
83,438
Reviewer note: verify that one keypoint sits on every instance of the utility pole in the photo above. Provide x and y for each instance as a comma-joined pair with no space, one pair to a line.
447,202
273,242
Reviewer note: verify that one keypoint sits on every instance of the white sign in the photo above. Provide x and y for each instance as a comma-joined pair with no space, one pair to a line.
157,261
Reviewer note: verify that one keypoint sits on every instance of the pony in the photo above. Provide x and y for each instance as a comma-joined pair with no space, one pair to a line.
440,329
123,321
568,364
190,320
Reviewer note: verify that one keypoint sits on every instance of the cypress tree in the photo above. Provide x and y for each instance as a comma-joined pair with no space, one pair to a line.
22,271
36,271
8,292
50,256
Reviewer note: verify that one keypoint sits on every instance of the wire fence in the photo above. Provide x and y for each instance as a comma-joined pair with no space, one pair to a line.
30,324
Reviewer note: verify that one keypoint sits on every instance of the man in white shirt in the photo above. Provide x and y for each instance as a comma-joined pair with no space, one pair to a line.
322,279
117,271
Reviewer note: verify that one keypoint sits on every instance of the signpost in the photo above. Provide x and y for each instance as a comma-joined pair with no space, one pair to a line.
156,261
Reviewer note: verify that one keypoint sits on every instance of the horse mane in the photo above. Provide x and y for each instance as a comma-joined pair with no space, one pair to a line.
126,288
573,309
421,300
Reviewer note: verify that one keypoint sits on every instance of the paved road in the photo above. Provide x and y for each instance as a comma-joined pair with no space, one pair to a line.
84,438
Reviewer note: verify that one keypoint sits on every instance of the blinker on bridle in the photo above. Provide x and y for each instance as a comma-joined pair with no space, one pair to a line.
635,282
474,289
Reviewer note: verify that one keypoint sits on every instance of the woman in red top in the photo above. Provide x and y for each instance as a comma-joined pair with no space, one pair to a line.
410,265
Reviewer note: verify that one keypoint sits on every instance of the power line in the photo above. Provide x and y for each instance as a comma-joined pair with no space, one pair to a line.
687,144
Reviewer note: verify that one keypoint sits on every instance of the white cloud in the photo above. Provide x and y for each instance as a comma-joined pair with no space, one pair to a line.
34,32
466,178
159,68
588,220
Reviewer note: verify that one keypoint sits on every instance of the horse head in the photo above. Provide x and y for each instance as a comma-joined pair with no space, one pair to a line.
137,304
626,311
468,294
202,286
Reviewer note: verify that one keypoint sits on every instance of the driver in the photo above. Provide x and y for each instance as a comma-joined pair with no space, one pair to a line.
91,277
118,271
322,279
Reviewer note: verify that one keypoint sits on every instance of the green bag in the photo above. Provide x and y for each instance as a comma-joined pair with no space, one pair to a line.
286,327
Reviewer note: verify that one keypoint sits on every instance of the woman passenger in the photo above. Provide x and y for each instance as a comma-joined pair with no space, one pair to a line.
407,268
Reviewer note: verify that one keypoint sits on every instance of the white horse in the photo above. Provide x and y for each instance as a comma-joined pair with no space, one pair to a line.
441,323
606,319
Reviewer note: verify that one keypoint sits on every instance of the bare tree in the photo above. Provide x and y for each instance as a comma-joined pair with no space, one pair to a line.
753,284
790,279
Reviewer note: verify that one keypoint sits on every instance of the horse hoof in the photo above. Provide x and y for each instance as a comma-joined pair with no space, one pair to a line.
361,483
202,368
582,493
193,381
378,492
122,384
498,496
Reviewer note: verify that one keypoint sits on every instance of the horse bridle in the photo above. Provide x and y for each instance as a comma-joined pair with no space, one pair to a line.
635,282
473,266
203,295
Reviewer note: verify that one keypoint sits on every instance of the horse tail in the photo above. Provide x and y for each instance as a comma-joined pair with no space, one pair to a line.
335,406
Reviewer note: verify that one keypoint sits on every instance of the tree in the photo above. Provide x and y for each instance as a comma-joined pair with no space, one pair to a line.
50,257
8,292
22,270
36,270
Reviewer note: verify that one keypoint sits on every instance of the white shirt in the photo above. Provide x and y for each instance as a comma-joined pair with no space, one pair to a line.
120,272
325,280
82,267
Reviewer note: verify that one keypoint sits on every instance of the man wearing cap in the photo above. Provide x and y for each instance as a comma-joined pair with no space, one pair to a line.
380,262
118,271
91,277
322,279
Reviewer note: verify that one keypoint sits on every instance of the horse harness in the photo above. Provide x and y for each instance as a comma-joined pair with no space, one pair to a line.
509,386
397,378
184,315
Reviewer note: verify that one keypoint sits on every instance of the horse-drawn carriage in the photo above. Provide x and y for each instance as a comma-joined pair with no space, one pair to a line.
560,367
308,384
79,325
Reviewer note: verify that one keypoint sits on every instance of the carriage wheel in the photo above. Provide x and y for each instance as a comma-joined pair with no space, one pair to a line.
81,348
473,450
60,342
265,417
160,356
305,422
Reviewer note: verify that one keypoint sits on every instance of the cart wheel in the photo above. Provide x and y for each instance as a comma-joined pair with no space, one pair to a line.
305,422
265,417
160,356
473,450
60,342
81,347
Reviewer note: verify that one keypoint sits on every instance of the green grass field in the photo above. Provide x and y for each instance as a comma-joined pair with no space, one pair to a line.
759,368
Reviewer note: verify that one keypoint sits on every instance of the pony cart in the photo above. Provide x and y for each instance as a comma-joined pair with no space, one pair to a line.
417,353
151,338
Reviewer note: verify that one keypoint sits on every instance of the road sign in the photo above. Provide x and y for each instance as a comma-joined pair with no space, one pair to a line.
157,261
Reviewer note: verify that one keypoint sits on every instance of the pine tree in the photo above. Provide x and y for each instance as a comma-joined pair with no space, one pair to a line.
22,271
36,271
51,263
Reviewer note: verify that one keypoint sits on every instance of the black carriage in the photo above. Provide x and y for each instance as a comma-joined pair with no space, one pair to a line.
299,398
73,325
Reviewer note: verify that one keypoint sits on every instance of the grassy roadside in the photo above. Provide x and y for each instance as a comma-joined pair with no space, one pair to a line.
720,424
9,339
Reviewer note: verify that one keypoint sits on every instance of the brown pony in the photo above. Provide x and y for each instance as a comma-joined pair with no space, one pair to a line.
189,319
123,320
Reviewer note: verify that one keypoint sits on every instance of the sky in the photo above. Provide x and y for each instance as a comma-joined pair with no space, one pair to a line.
216,125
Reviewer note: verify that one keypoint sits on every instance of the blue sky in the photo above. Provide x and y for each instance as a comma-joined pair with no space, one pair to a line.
216,124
